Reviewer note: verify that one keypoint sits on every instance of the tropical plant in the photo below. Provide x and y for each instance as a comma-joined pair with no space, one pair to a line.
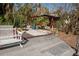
41,21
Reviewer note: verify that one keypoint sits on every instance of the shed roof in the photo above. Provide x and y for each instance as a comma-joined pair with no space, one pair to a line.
49,16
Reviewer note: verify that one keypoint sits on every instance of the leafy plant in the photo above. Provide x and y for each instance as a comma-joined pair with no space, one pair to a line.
2,19
41,21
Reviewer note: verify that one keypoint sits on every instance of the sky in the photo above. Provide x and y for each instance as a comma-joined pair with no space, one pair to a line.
55,6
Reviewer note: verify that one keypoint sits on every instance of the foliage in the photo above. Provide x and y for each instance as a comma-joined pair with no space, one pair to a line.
19,21
1,19
24,14
6,17
40,21
59,24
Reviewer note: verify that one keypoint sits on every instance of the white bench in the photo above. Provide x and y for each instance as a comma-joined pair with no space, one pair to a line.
8,37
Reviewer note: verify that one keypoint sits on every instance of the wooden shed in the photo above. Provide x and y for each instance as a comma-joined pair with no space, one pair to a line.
52,19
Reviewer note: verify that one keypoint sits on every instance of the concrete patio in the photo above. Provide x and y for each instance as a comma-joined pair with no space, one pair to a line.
49,45
40,46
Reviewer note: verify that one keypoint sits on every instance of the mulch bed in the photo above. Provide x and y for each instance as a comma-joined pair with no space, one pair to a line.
68,38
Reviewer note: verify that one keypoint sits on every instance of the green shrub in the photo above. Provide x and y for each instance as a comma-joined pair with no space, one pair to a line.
59,24
40,22
40,19
2,20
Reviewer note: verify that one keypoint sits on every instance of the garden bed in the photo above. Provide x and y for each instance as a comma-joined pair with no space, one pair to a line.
68,38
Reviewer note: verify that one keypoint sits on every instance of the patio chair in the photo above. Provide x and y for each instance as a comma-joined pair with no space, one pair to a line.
9,38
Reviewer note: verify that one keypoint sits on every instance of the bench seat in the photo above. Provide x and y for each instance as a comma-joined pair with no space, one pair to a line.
9,42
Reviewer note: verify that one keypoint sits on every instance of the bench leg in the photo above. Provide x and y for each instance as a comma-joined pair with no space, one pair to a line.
21,45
